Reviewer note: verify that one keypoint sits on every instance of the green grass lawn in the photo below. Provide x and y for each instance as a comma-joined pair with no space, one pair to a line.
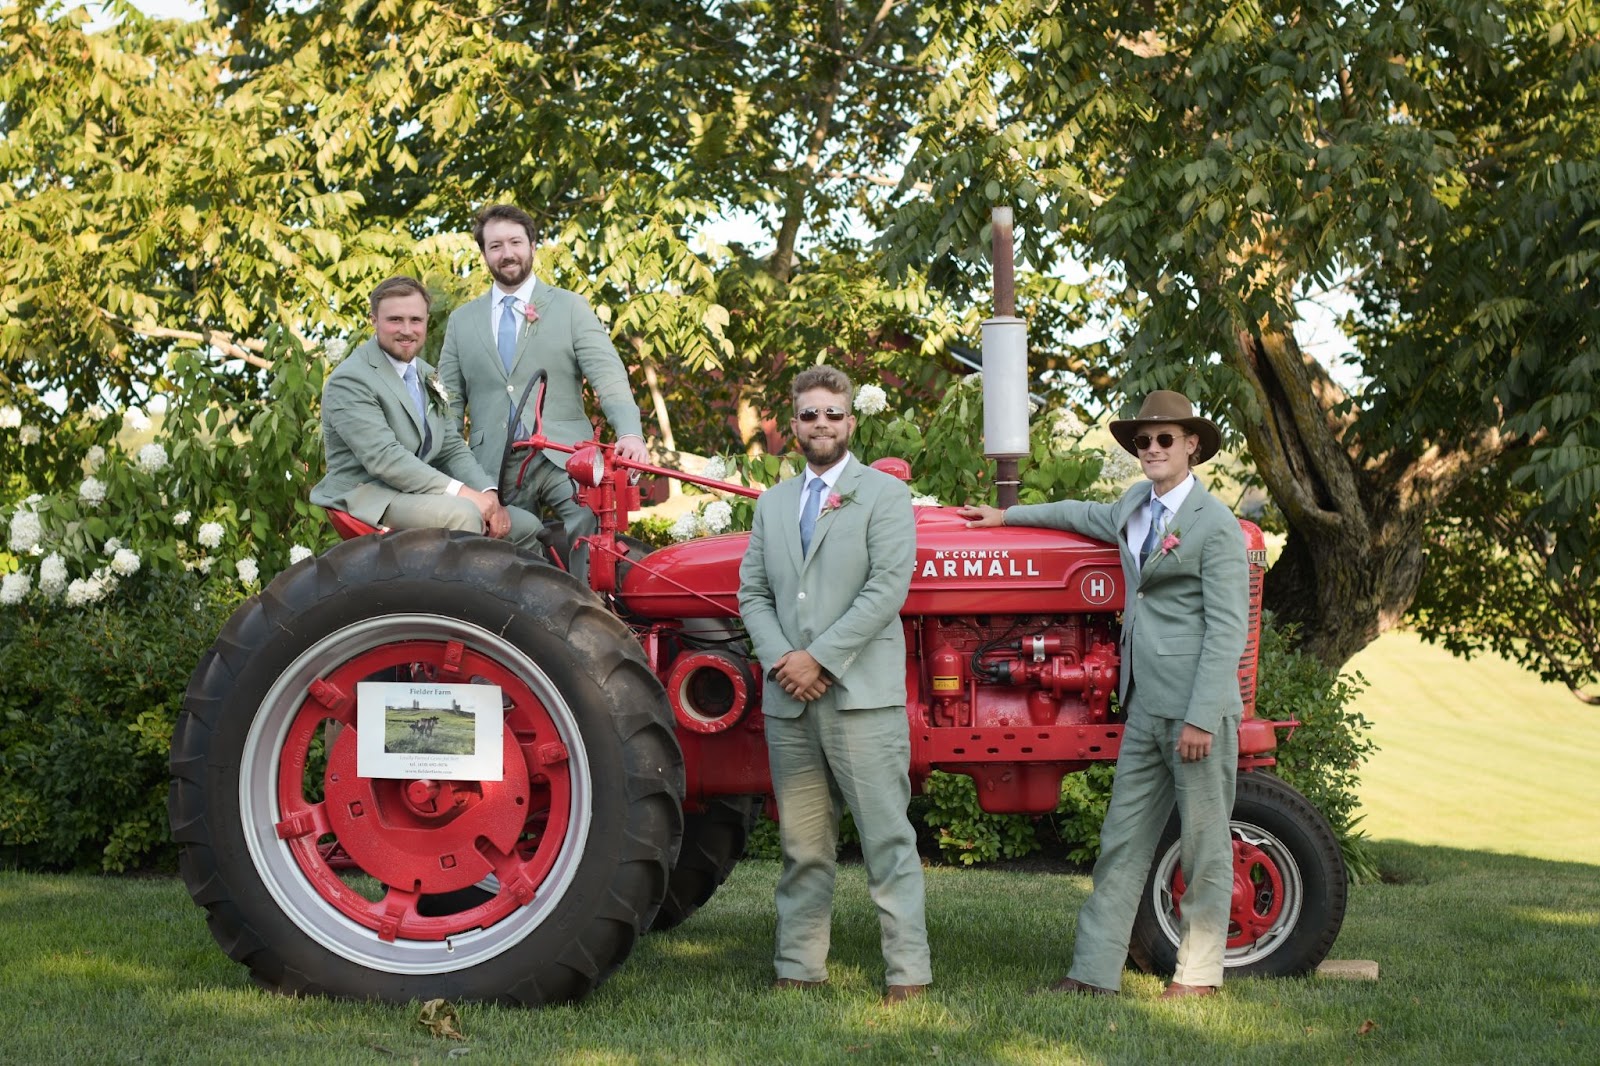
1486,956
1486,959
1479,755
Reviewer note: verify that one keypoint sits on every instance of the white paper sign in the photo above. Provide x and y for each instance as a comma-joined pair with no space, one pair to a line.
424,729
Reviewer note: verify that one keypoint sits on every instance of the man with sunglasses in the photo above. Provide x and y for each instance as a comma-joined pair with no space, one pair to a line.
820,589
1183,632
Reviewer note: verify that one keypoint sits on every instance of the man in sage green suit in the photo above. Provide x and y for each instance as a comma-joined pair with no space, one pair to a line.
820,591
1183,632
495,344
394,456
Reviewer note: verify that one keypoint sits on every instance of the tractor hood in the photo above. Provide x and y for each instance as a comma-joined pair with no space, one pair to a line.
959,571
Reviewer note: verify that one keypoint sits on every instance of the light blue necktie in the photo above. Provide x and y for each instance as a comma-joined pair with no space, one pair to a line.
506,337
1153,538
415,388
808,513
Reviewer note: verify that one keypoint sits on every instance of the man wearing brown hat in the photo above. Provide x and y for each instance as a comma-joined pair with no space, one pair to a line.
1183,632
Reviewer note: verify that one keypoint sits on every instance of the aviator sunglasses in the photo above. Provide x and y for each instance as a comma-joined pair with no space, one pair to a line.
1143,440
811,414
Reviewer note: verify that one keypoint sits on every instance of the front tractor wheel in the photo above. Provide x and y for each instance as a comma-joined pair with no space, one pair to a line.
1289,886
531,889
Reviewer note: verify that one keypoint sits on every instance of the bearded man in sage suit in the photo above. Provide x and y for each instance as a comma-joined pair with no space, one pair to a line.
495,344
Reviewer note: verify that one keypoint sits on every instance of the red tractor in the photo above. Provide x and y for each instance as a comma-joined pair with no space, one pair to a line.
629,757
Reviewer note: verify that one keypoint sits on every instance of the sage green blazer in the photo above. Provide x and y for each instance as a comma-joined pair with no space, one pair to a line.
372,438
842,601
568,341
1185,620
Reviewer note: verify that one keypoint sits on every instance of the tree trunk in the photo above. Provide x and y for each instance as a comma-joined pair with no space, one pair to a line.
1353,561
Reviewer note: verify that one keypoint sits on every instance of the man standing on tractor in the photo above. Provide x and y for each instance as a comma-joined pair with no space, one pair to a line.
495,344
1183,632
820,588
394,455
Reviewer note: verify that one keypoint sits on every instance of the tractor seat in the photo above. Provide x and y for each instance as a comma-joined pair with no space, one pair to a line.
894,467
349,527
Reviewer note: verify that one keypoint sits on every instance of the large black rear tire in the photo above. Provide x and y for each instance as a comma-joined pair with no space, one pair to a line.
528,890
713,844
1290,887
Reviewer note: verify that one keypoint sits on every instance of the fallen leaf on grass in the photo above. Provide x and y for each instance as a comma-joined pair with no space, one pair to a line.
1111,1027
440,1019
1366,1027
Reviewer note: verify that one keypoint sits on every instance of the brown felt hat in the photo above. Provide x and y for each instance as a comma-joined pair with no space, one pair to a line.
1164,407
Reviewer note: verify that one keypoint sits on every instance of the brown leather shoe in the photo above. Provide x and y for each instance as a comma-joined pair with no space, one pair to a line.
901,993
1177,991
795,982
1078,988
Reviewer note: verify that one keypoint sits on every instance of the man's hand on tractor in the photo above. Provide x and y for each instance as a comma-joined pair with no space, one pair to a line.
979,515
631,447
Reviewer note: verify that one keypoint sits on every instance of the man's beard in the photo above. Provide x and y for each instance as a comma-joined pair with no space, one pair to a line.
512,274
823,452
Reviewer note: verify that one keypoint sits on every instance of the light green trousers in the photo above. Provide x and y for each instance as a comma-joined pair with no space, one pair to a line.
411,510
862,758
1150,779
547,488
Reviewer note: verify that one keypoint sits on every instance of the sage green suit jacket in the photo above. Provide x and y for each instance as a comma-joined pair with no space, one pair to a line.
1185,620
372,437
568,341
841,602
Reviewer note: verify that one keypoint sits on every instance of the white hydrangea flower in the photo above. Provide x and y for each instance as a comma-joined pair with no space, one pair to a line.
202,564
92,491
1066,425
925,501
111,546
29,435
26,530
92,589
181,519
717,516
248,570
96,456
716,468
210,534
336,347
13,587
97,412
157,405
871,400
135,419
686,527
1119,466
152,458
10,417
125,562
299,553
52,575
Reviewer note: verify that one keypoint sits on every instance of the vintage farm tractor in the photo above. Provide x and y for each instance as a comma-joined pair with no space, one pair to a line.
628,755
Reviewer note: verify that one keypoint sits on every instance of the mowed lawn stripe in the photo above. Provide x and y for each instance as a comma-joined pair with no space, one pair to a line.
1477,754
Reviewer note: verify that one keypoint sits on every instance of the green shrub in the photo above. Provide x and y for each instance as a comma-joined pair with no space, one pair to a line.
86,716
966,833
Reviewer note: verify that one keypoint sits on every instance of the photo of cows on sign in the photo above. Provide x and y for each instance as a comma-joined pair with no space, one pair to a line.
424,730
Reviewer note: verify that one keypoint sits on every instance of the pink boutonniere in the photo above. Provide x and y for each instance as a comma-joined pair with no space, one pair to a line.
1170,542
531,313
836,501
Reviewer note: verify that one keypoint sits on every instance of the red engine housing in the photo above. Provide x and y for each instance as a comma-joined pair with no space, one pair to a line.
1011,669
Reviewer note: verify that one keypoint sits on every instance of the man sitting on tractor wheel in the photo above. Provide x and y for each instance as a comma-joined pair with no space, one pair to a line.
394,455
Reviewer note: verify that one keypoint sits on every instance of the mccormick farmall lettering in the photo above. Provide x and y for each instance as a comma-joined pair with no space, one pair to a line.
977,562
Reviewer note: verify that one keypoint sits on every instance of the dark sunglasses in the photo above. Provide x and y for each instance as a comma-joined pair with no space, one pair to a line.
1143,440
811,414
